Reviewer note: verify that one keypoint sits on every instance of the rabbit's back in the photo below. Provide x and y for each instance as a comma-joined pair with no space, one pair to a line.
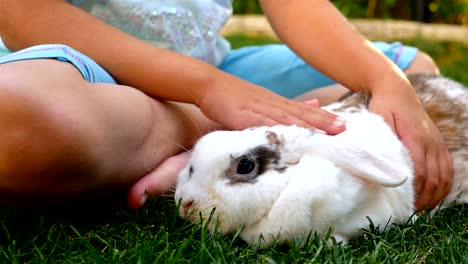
446,103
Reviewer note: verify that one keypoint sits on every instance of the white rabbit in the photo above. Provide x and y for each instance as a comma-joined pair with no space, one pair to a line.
283,182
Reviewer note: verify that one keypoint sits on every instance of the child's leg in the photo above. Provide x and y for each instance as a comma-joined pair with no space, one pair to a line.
276,67
65,138
328,94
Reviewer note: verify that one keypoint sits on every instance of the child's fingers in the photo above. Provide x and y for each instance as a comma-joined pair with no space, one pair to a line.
313,102
303,115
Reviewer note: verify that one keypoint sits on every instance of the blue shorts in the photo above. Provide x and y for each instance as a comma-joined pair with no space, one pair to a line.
274,66
90,70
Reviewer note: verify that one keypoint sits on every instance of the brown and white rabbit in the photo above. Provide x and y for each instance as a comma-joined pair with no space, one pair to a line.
283,182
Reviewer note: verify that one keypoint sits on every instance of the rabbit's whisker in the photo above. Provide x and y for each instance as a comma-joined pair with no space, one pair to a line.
200,133
178,145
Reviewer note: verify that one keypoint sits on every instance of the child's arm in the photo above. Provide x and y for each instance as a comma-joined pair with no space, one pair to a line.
318,33
160,73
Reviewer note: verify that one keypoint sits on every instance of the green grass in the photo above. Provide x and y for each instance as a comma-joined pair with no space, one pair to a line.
155,234
451,57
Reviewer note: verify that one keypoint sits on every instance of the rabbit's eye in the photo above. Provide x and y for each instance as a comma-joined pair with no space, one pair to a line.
245,166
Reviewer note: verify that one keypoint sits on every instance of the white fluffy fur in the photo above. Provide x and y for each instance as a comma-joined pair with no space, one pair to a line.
329,181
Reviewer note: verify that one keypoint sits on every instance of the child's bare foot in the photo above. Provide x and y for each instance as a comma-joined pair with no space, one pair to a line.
158,181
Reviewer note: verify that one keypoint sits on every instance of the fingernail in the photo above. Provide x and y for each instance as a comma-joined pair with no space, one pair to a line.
143,199
338,123
340,119
316,130
313,102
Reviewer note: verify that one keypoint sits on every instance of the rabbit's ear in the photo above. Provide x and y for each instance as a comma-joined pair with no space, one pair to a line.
380,168
383,168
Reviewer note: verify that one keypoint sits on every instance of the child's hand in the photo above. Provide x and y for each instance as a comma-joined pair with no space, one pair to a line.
433,164
252,105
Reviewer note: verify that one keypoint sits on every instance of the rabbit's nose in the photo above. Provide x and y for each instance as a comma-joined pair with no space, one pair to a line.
186,204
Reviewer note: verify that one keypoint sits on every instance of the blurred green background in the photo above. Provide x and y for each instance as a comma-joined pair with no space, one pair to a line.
434,11
450,56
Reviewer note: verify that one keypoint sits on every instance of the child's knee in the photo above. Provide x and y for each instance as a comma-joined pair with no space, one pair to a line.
37,155
423,63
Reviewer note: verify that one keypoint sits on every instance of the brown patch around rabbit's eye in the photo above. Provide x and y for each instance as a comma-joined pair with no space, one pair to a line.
246,168
274,139
265,157
281,169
